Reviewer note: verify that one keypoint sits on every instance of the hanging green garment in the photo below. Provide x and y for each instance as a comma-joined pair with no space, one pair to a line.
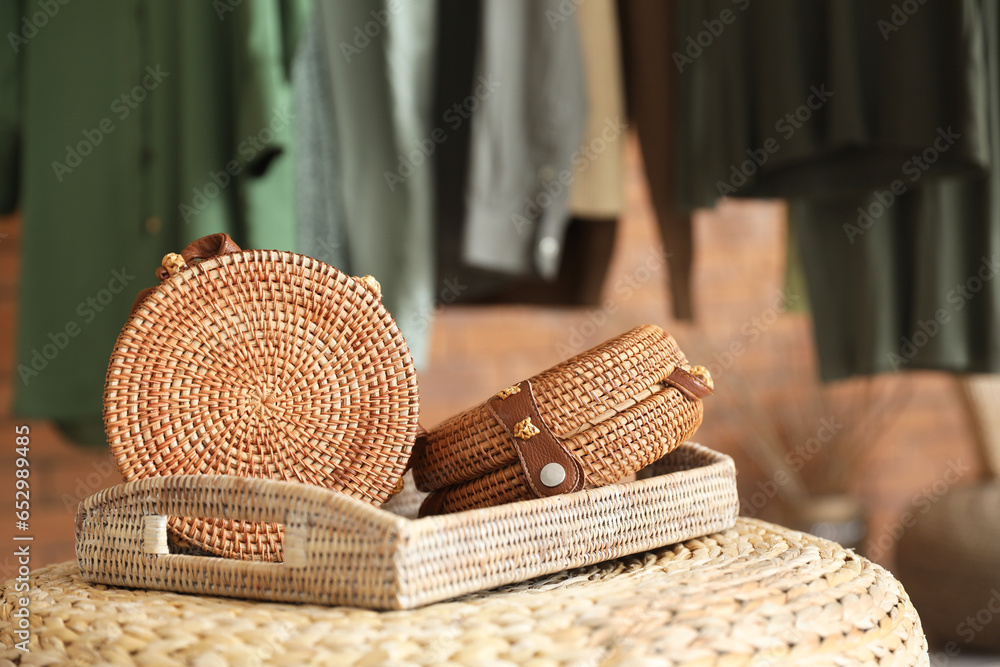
365,181
879,122
137,128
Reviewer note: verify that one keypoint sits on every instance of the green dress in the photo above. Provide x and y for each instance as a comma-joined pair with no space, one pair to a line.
128,129
879,120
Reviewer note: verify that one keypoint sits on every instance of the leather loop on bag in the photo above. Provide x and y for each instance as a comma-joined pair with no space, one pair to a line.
695,383
208,247
549,468
201,249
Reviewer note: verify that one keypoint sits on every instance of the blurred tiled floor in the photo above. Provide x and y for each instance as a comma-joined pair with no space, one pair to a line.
739,269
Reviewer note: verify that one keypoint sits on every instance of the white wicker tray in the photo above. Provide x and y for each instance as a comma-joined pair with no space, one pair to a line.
341,551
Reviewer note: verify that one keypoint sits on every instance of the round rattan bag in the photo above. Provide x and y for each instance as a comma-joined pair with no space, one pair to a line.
260,363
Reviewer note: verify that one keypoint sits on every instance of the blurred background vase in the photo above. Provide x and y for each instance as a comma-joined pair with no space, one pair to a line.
837,516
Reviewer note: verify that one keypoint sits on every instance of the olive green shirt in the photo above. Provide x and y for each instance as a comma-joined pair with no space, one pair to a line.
128,129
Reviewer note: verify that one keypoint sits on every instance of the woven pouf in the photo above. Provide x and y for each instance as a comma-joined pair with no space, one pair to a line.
755,595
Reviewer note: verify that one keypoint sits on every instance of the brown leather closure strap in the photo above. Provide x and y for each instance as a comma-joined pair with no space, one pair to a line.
549,467
201,249
208,247
694,382
431,505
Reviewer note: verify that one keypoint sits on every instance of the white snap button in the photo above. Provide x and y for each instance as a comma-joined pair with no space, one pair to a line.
549,247
552,474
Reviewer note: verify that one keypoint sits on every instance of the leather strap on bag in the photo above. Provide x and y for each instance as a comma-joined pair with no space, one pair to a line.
204,248
695,382
432,504
548,466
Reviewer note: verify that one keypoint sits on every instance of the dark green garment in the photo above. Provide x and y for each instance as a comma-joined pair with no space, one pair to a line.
127,117
651,95
793,98
832,105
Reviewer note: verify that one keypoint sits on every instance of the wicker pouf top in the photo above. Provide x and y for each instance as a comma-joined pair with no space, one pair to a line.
754,595
262,364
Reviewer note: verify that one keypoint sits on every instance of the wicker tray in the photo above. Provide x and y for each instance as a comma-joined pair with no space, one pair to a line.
339,550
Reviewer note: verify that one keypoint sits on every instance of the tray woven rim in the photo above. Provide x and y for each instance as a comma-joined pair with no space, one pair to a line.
397,563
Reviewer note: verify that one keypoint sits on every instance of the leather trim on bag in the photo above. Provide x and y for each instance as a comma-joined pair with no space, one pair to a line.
691,385
208,247
432,504
535,444
204,248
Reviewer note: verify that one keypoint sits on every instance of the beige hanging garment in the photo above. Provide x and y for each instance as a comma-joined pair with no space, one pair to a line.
597,173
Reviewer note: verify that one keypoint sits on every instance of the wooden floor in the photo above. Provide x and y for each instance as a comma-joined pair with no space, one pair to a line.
739,271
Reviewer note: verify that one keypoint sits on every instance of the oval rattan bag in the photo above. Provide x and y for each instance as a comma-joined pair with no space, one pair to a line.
260,363
586,422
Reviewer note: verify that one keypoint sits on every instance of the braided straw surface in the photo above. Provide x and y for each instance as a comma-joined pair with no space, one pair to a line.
261,364
755,595
339,550
609,407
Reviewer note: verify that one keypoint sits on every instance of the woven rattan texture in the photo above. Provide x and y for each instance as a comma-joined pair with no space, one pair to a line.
608,406
262,364
339,550
755,595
